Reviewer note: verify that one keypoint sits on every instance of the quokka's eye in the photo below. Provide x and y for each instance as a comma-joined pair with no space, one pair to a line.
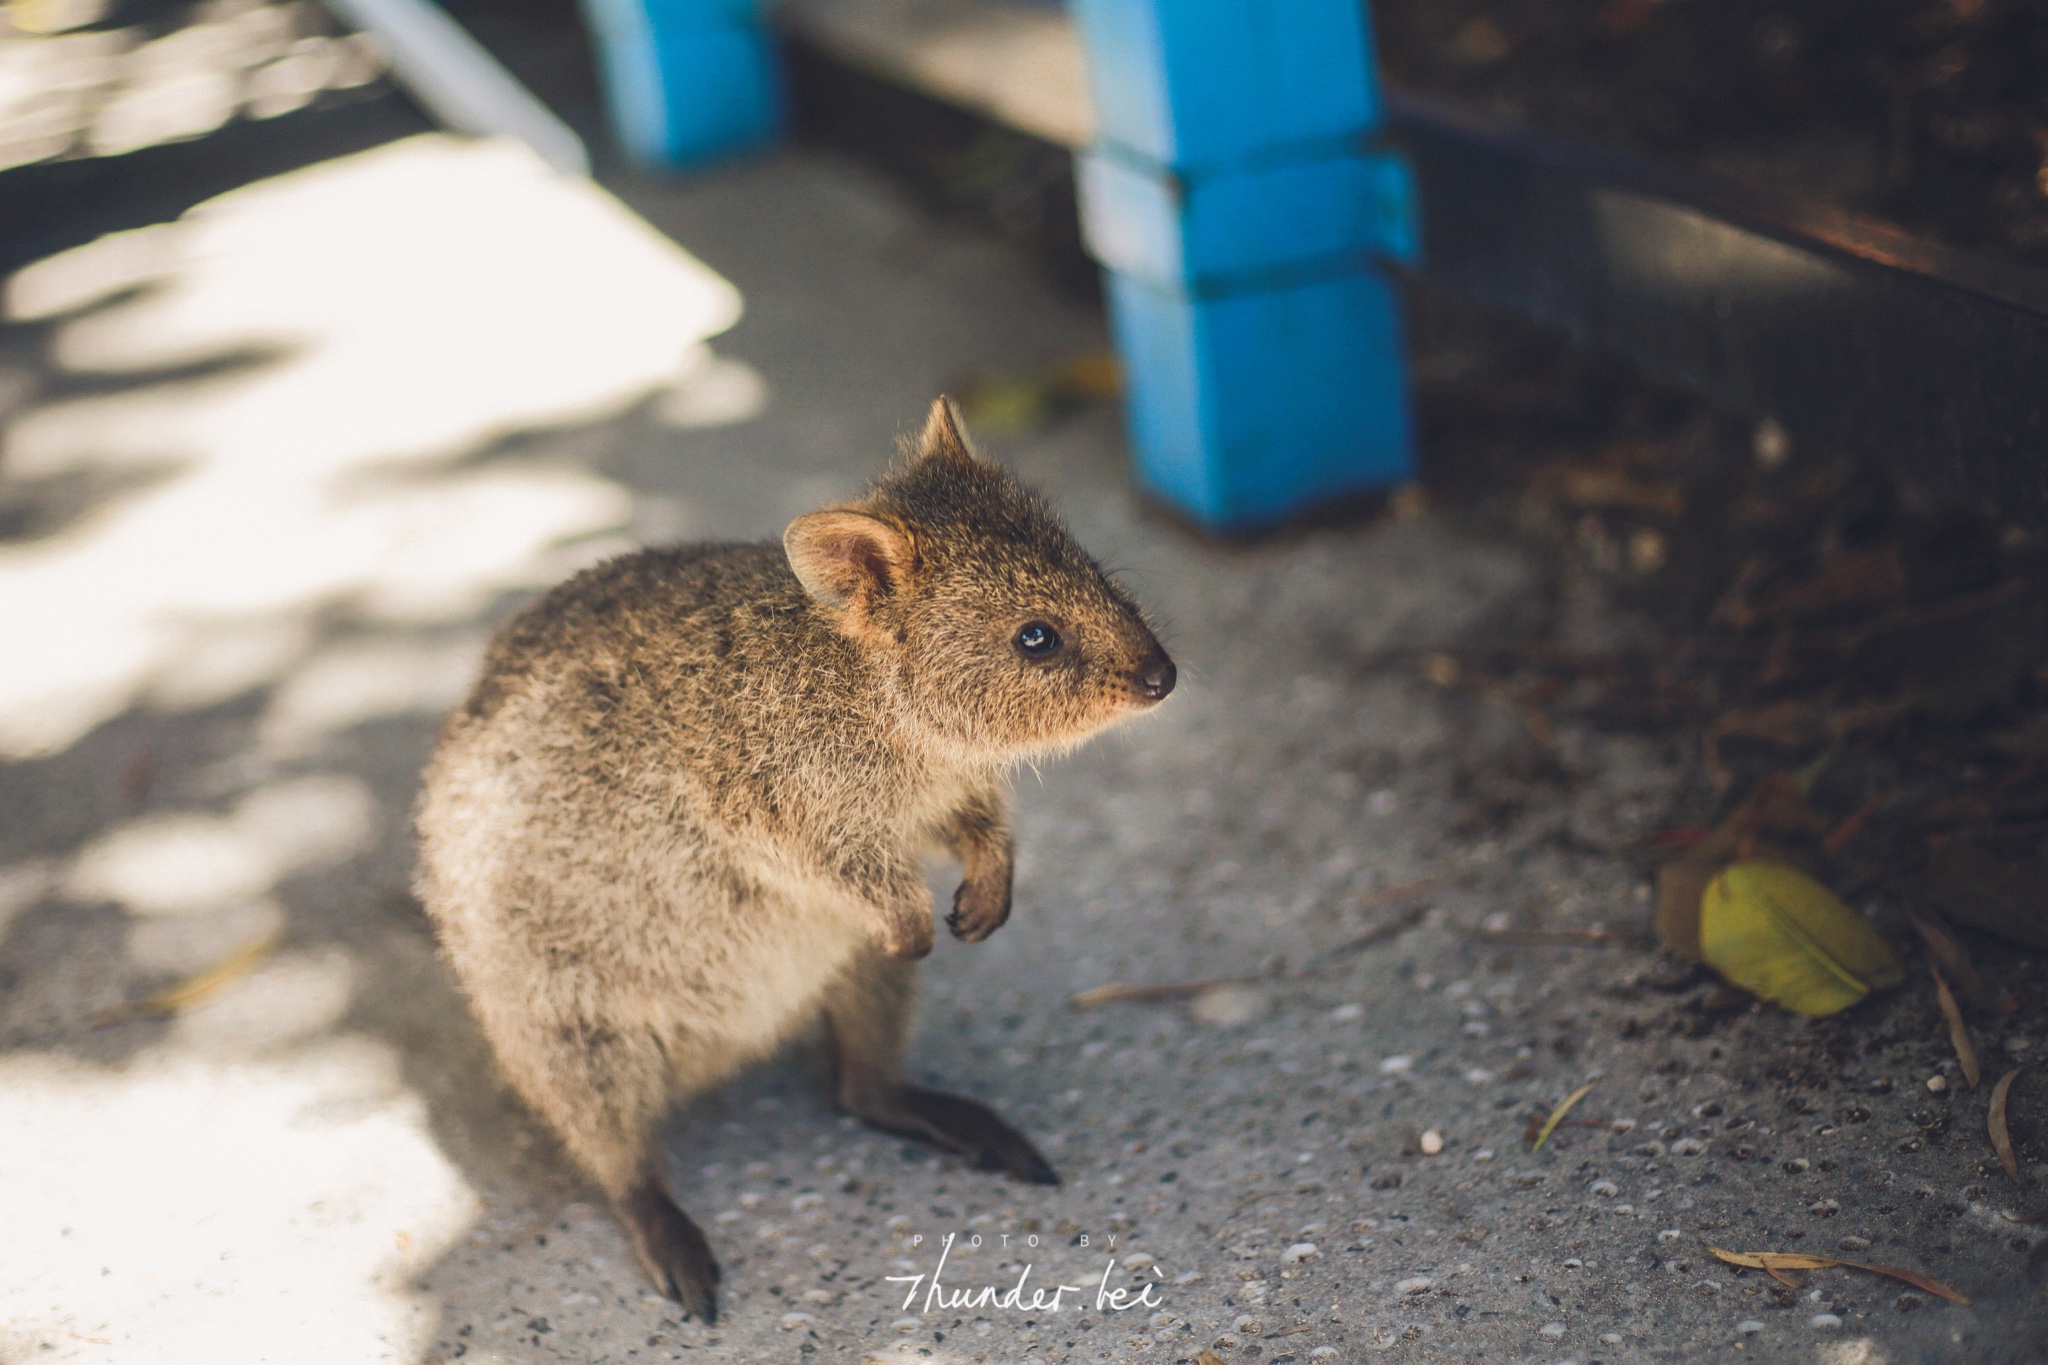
1037,640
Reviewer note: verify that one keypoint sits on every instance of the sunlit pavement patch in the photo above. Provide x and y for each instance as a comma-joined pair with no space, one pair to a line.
370,322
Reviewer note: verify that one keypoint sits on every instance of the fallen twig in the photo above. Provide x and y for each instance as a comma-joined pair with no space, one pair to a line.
1382,931
1118,992
192,991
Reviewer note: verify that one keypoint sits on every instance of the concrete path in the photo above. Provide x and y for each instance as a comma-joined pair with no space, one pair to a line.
269,483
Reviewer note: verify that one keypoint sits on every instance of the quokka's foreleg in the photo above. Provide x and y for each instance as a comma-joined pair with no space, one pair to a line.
979,835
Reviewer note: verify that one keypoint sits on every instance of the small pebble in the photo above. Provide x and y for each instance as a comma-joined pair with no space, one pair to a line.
1574,1263
1227,1005
1855,1244
1393,1066
1551,1329
906,1325
1432,1142
1824,1322
1344,1014
793,1321
1606,1189
1187,1277
1669,1235
1137,1260
1247,1325
1610,1338
1771,445
1483,1154
1749,1326
1414,1284
1322,1353
1161,1321
1300,1251
1937,1083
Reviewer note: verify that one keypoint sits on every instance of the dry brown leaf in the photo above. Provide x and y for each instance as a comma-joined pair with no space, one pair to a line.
1680,885
1799,1260
1557,1115
1955,963
1958,1031
1789,1281
1775,1260
2001,1137
1208,1357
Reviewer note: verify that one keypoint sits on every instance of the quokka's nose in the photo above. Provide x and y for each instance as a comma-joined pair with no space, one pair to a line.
1156,678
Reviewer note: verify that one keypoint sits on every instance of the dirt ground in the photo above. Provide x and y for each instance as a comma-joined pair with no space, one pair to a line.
1929,113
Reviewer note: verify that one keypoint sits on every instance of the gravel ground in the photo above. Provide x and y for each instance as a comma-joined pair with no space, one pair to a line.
1325,1162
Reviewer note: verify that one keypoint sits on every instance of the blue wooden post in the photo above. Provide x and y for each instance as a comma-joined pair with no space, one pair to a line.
686,81
1243,212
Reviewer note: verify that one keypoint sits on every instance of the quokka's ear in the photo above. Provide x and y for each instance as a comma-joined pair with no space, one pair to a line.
847,559
945,435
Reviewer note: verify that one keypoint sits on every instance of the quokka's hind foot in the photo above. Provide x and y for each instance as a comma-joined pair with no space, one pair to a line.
958,1124
671,1248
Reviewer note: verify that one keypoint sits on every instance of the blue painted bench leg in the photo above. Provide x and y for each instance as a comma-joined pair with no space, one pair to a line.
1244,215
687,81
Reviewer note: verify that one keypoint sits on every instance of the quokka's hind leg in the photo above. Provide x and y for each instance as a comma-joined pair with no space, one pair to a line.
603,1090
867,1018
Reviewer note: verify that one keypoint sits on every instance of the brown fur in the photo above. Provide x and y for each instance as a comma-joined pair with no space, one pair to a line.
683,812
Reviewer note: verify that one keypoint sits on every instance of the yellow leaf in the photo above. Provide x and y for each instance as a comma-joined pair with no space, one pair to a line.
1781,935
1557,1115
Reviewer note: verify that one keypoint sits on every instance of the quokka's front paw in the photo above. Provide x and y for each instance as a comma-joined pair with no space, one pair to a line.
979,909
